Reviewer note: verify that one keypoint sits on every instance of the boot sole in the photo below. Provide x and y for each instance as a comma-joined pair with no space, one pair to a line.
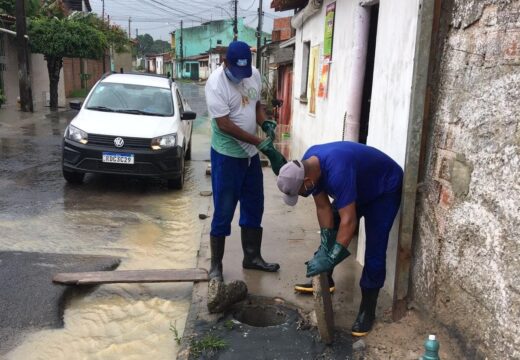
307,290
253,267
359,334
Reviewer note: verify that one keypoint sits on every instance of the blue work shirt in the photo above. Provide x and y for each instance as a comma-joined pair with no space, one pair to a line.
354,172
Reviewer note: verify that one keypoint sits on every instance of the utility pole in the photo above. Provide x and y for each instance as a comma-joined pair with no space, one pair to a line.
24,80
136,33
182,53
129,29
104,51
103,10
235,21
259,34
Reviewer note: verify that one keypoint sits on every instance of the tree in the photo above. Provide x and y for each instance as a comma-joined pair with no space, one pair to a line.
8,6
160,46
58,38
145,44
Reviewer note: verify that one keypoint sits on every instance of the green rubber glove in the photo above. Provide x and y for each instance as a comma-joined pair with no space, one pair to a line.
327,261
328,239
269,127
275,157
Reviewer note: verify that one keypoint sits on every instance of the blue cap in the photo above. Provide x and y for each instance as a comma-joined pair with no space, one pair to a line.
238,59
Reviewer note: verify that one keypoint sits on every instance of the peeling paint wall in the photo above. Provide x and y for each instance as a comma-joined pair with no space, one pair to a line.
467,234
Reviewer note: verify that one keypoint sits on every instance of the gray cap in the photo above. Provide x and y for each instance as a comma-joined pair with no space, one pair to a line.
290,180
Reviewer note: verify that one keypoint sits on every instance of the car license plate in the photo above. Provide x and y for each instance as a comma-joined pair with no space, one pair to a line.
117,158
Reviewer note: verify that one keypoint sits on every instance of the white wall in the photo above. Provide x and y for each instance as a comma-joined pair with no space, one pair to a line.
39,77
391,91
327,124
40,82
159,64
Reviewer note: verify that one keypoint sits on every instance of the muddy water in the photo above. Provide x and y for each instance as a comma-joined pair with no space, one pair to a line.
141,222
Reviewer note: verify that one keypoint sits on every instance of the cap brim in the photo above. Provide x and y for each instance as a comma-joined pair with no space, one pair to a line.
241,72
290,200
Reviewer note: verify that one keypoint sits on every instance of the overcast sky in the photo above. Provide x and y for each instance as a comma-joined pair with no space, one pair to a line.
160,17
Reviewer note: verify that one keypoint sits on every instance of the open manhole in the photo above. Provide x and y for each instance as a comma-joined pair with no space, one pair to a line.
260,315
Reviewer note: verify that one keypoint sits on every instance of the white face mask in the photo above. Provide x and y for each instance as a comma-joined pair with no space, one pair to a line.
231,77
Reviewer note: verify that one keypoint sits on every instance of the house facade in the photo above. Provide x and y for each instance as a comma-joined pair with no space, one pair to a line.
198,41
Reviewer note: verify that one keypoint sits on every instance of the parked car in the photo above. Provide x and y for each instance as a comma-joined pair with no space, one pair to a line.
130,124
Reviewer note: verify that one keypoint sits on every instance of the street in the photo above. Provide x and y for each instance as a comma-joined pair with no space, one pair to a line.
53,226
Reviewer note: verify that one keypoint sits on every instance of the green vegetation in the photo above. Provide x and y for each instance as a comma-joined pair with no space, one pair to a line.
56,35
147,45
173,329
228,324
208,343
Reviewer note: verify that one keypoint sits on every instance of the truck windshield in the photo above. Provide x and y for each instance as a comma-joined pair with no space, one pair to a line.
131,99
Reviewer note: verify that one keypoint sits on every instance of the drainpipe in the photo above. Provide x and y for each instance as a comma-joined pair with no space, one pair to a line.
357,74
301,17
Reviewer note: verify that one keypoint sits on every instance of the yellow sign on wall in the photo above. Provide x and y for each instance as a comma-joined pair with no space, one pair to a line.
313,78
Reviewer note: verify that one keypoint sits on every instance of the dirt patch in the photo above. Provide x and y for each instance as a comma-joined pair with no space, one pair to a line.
404,339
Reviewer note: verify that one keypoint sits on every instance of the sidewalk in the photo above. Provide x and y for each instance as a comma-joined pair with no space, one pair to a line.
291,235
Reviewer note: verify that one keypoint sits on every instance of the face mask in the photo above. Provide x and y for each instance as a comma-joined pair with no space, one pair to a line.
308,191
231,77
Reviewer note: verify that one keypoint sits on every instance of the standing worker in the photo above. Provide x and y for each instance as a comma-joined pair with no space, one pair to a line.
233,98
363,182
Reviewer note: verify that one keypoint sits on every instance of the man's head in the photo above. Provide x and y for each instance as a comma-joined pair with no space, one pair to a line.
238,60
297,178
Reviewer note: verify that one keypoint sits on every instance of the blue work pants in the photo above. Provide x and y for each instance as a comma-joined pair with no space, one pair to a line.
379,217
233,180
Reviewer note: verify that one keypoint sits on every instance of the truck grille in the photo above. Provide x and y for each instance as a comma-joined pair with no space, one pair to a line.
130,142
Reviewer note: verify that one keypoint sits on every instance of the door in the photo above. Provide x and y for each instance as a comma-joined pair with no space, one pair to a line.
195,71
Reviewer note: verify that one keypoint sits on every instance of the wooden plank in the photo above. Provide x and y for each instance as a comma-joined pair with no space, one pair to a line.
323,307
132,276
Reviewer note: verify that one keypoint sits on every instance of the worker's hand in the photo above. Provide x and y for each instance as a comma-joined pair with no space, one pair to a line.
326,261
275,157
328,239
269,127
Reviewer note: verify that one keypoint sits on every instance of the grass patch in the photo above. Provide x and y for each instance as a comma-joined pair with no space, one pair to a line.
79,93
173,329
228,324
209,343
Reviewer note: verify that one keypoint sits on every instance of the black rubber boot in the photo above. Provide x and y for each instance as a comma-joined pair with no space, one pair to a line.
251,244
307,287
367,312
217,253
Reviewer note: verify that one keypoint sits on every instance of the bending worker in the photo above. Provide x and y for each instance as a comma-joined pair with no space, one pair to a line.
363,182
233,99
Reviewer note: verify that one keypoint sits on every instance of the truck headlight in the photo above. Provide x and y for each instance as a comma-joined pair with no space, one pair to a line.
163,142
75,134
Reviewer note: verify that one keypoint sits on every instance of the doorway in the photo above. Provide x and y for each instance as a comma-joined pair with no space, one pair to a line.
369,74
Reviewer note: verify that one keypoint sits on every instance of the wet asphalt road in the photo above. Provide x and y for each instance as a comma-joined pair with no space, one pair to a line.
48,226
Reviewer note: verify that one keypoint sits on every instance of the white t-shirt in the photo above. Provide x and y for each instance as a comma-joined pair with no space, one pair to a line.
239,102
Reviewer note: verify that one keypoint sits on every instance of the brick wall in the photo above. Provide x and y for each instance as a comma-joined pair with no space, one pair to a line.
72,70
282,29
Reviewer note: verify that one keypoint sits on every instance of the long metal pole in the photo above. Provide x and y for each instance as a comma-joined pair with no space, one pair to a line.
182,53
259,34
24,80
235,22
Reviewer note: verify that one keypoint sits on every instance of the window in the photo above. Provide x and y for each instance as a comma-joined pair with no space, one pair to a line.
305,71
130,98
187,67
